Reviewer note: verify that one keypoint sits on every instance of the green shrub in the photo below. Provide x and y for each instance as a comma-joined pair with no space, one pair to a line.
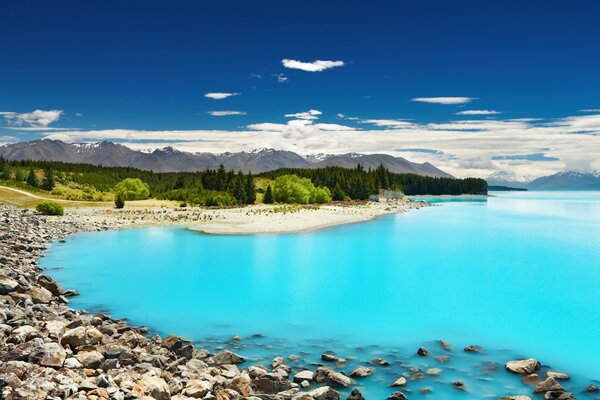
49,207
295,190
119,201
132,189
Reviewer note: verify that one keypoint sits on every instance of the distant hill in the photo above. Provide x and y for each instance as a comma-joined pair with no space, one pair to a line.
505,189
171,160
563,180
567,180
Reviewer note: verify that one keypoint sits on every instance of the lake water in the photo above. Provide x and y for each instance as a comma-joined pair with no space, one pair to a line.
518,273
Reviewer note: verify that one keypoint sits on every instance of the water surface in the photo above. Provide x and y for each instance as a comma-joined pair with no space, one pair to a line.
517,272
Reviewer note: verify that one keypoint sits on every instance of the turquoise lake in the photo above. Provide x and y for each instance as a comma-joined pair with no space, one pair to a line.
517,273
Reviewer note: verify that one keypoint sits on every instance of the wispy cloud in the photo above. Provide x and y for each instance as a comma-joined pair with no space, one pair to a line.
444,100
225,113
478,112
310,114
220,95
388,123
592,110
315,66
37,118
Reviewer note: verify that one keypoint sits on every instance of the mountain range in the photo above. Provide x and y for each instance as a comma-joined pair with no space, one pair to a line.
169,159
563,180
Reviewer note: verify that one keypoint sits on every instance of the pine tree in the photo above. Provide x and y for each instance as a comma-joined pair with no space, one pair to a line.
250,189
338,194
238,188
268,198
32,179
48,183
179,183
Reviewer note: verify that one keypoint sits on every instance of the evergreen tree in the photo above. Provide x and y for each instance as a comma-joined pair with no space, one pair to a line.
119,201
19,177
338,194
238,188
48,183
268,197
250,189
179,183
32,179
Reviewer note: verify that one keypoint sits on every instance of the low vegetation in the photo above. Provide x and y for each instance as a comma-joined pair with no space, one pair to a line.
49,207
221,188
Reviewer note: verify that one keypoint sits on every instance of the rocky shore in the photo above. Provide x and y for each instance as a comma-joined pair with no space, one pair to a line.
50,351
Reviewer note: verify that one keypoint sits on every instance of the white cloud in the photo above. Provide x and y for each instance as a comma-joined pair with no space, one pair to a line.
37,118
315,66
310,114
478,112
7,138
225,113
462,148
281,78
220,95
444,100
592,110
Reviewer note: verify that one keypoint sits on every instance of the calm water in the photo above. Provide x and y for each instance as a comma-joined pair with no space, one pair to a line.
518,271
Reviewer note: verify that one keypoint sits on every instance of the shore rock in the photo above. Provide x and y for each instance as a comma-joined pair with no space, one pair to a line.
154,387
7,285
523,367
49,355
225,357
550,384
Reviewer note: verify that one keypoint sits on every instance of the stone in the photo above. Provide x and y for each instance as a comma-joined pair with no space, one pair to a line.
40,295
422,351
172,342
399,382
532,378
445,345
328,356
271,384
473,349
355,395
361,372
550,384
225,357
380,361
7,285
324,393
321,374
49,355
72,363
523,367
397,396
303,376
154,387
515,398
560,376
51,285
592,388
277,362
460,385
197,389
55,329
90,359
433,371
559,395
81,336
335,378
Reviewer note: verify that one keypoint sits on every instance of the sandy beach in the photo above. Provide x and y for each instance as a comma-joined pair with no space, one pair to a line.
234,221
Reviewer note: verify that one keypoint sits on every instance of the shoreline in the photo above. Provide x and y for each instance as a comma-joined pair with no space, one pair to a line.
52,351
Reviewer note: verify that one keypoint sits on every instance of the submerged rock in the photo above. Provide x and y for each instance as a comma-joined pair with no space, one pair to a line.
338,379
559,395
361,372
422,351
397,396
304,376
399,382
561,376
473,349
523,367
328,356
550,384
355,395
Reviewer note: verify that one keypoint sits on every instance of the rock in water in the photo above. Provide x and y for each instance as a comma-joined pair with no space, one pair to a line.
303,376
552,395
324,393
225,357
399,382
548,385
523,367
339,379
516,398
422,351
361,372
356,395
328,356
561,376
397,396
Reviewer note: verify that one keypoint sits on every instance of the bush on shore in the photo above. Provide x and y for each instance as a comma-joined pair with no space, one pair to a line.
296,190
132,189
49,207
119,201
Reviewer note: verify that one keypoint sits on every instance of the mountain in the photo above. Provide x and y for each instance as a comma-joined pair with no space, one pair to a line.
169,159
507,179
567,180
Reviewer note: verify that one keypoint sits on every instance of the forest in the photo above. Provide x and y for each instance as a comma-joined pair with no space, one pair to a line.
219,187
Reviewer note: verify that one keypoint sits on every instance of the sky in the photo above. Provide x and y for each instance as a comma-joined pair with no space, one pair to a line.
476,88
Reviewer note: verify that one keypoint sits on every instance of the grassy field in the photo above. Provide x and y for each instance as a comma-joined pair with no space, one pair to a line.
22,198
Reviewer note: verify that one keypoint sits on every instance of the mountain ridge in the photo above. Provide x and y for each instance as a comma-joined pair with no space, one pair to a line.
169,159
562,180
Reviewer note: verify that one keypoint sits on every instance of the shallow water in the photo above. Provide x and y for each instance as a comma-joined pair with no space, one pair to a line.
517,271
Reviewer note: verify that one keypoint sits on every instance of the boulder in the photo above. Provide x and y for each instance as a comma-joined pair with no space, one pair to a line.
72,363
225,357
559,376
271,384
380,361
399,382
154,387
322,374
328,356
523,367
51,285
324,393
40,295
559,395
397,396
81,336
361,372
355,395
303,376
197,389
7,285
90,359
48,355
550,384
337,379
422,351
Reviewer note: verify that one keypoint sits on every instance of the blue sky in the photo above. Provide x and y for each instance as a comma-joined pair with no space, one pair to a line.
132,71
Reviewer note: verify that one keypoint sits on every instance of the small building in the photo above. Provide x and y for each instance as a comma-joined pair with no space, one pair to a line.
385,195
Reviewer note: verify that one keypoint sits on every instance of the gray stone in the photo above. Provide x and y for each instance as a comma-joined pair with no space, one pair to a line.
523,367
